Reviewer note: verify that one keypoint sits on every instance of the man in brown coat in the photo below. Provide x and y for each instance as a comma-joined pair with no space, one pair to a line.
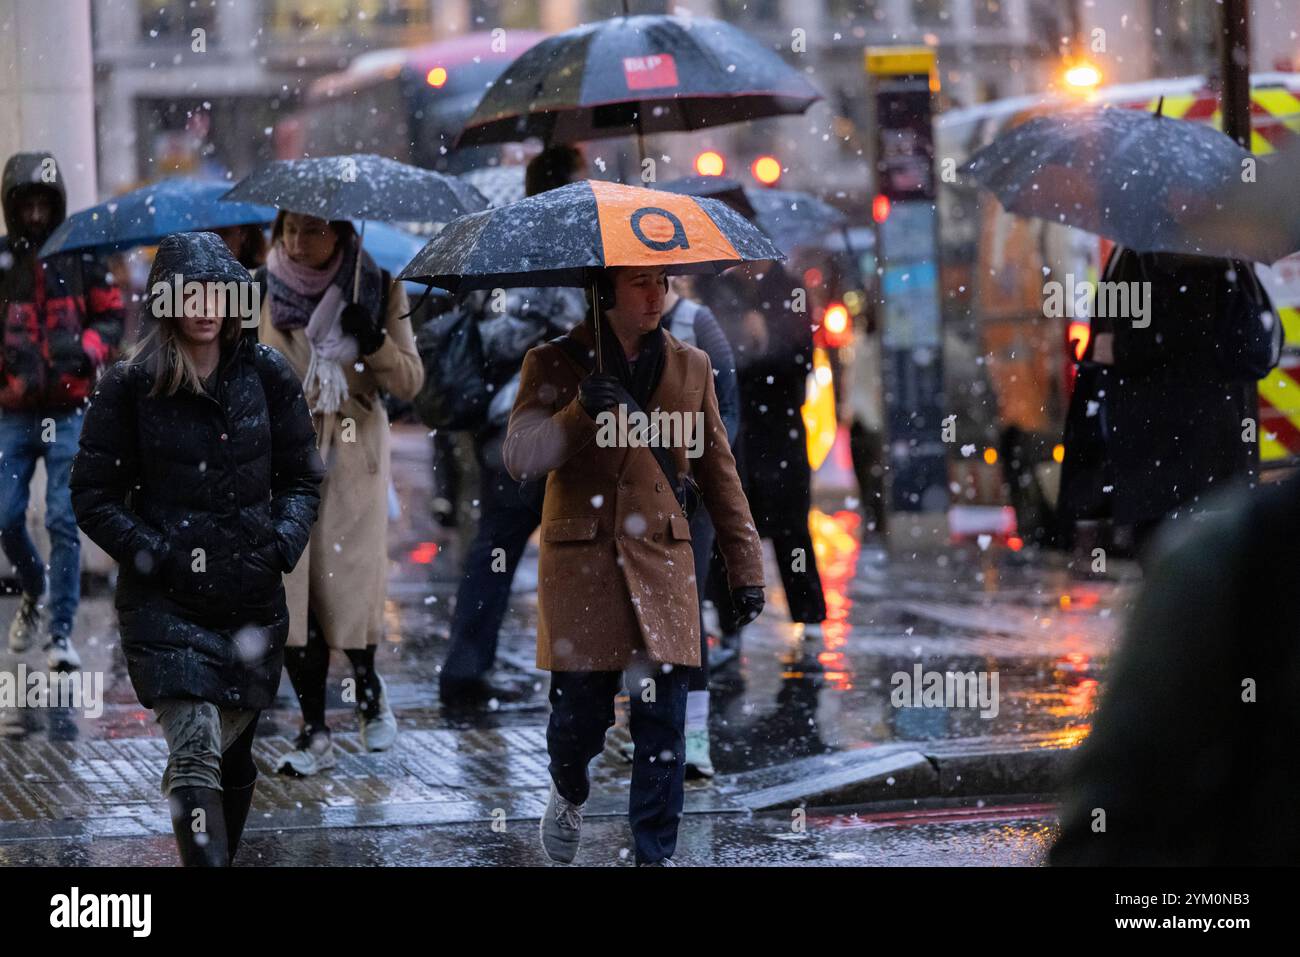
616,581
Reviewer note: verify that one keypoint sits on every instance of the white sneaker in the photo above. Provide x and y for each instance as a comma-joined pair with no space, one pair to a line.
379,733
561,828
309,756
26,626
61,656
698,762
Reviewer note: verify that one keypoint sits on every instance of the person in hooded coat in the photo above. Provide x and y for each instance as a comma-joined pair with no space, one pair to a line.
62,320
346,333
616,577
198,473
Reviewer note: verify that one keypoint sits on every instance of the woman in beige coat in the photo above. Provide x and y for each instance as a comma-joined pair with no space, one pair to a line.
349,348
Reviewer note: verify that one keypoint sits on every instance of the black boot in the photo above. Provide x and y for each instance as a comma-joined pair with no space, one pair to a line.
200,838
236,801
238,779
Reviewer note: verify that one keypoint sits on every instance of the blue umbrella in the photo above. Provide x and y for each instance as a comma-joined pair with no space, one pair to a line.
144,216
392,248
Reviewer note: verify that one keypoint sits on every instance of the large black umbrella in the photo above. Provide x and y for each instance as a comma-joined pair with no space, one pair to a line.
359,186
633,75
1128,175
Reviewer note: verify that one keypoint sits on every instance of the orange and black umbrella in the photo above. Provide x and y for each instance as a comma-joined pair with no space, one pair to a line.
559,237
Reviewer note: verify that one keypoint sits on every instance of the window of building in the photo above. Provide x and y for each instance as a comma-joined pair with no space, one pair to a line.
990,13
324,18
510,14
932,13
175,20
738,11
850,12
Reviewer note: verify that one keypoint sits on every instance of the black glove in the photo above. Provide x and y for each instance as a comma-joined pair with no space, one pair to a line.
597,393
357,323
748,602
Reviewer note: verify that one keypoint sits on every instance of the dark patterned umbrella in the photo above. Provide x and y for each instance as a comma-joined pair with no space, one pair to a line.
359,186
1133,177
637,74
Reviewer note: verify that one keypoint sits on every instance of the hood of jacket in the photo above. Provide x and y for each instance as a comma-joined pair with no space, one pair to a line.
31,169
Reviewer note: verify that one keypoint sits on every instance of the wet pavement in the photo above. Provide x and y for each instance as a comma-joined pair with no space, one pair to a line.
75,788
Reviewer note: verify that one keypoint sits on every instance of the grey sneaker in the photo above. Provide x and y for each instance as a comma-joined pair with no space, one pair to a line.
662,862
26,626
60,655
379,733
561,828
310,755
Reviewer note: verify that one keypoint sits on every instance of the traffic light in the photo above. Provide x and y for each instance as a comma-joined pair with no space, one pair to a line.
766,169
880,208
710,163
836,329
436,77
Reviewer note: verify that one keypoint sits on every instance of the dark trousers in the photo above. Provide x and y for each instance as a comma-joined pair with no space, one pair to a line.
702,536
582,709
508,514
803,589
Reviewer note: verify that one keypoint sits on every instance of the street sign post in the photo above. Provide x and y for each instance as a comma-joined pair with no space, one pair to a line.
902,80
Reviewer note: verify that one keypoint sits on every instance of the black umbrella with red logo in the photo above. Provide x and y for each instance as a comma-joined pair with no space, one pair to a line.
634,75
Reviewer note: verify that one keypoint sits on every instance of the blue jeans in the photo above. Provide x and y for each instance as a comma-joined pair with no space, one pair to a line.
582,708
24,438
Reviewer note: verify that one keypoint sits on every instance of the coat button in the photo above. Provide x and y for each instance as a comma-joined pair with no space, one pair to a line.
658,536
230,496
224,436
659,486
622,486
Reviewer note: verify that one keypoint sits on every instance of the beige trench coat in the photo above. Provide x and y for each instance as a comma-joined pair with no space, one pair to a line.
344,571
616,574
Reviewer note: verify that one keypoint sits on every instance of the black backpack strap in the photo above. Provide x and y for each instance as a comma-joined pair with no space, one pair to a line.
583,358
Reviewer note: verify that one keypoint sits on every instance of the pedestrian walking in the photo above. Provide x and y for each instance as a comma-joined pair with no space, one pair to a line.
198,473
774,350
694,324
342,326
1163,416
616,587
63,319
509,324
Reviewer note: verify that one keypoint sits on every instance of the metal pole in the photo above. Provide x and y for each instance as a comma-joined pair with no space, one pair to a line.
1235,66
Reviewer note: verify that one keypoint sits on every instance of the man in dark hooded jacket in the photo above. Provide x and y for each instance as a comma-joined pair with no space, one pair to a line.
62,321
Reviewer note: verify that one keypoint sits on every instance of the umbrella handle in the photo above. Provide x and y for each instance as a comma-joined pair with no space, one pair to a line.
595,314
356,272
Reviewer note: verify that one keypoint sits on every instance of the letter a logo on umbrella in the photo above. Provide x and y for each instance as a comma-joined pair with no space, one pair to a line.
676,241
674,230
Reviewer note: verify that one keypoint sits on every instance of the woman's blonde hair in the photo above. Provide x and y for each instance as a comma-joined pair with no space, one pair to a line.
165,356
